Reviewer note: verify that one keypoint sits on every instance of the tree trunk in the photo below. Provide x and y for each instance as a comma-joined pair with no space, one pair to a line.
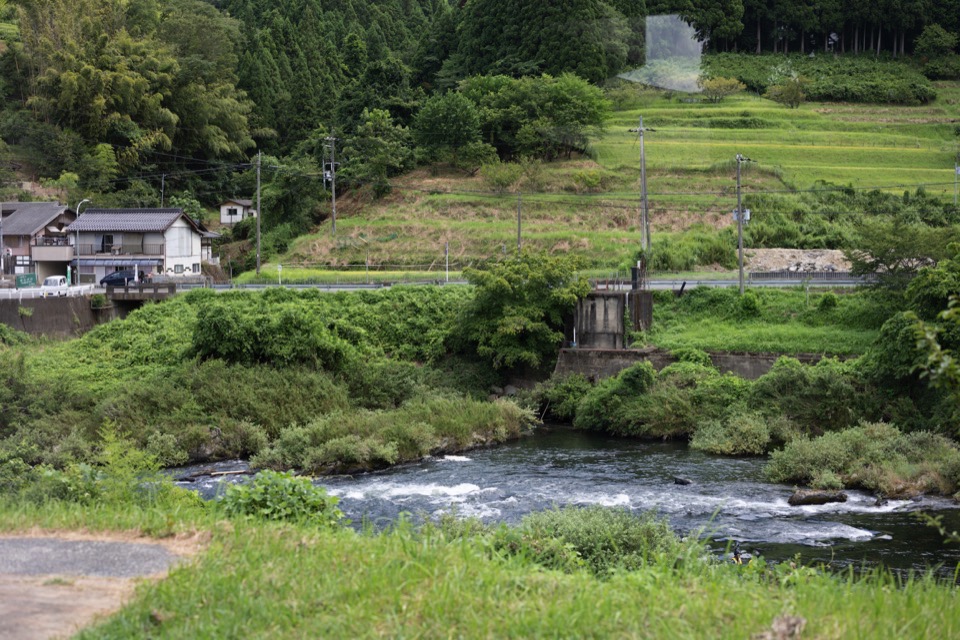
873,40
879,39
856,39
758,34
803,41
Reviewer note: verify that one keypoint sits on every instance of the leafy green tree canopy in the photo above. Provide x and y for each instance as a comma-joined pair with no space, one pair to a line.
516,317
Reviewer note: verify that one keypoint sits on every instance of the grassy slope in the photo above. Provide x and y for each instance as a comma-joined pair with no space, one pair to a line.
691,179
788,321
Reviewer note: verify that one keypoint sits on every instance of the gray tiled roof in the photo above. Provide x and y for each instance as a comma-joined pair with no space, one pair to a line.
129,220
28,218
240,201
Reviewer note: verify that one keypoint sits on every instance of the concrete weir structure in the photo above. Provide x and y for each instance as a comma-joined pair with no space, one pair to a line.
597,341
596,364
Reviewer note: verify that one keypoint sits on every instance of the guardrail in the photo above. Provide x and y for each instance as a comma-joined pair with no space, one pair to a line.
34,293
802,275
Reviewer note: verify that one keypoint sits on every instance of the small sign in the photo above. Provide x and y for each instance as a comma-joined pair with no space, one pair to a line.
26,280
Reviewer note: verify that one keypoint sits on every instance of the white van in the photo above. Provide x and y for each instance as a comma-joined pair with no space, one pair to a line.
54,286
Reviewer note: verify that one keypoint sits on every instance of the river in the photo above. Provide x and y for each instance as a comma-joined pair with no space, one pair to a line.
727,498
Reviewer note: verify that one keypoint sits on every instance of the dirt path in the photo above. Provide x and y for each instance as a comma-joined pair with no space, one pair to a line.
54,584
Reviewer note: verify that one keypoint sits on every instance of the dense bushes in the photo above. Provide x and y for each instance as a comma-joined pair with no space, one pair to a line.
840,79
222,375
352,440
872,456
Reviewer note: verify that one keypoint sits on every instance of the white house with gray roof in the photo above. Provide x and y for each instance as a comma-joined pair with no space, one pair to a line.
34,239
155,241
235,210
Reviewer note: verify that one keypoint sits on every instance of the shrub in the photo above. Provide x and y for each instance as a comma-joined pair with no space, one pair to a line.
828,301
817,398
791,92
599,407
282,496
561,394
740,432
874,456
500,176
749,305
718,88
605,539
691,355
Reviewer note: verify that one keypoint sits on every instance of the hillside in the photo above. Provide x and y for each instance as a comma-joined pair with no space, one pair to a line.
590,206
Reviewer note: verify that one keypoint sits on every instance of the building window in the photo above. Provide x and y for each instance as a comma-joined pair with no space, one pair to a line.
178,268
196,268
231,212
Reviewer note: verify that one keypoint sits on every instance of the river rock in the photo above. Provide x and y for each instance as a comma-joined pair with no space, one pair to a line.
509,391
683,481
802,497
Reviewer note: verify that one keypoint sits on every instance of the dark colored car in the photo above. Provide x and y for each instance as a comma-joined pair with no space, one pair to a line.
118,278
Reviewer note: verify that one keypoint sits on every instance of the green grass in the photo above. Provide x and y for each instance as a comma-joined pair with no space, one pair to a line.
262,580
788,322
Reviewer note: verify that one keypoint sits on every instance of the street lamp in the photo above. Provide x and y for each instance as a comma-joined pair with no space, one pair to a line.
77,209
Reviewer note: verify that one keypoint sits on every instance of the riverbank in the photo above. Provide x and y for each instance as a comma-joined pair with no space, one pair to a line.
296,580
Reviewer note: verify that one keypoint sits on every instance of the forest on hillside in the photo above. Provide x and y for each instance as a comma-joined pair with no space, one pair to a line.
142,102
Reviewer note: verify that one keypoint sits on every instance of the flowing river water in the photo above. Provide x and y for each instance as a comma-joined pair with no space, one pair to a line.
727,497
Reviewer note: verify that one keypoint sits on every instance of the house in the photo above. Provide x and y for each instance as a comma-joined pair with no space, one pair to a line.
34,238
155,241
233,211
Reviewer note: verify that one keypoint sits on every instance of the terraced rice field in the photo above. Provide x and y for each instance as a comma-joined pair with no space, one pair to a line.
690,176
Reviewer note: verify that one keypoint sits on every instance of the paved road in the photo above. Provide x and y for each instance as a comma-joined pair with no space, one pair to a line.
51,556
51,588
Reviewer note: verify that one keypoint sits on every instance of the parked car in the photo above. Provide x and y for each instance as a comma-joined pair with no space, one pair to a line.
54,286
119,278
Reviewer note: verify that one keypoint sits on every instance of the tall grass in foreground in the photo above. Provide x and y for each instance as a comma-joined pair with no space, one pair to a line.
262,580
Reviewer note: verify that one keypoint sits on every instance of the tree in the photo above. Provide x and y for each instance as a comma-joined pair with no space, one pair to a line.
446,124
544,117
935,42
377,151
517,313
893,251
500,176
942,365
587,37
716,89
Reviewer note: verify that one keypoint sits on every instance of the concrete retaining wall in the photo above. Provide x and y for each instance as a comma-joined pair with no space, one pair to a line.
597,364
54,317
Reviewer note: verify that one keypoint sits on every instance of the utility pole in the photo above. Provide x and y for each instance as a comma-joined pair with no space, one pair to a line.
956,175
446,255
519,245
259,211
644,204
3,249
740,160
332,141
